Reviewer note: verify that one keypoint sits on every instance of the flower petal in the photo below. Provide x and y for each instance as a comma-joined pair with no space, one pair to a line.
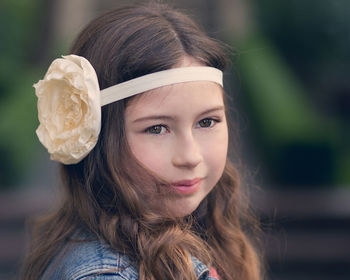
69,109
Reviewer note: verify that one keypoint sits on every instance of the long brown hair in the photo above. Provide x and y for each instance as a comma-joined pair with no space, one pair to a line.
103,193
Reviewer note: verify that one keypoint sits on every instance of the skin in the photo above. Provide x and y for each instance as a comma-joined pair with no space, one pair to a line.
179,132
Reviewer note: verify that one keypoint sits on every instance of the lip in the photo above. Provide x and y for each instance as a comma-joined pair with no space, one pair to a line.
187,186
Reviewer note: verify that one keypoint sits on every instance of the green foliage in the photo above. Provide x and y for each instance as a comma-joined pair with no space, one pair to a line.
294,68
279,100
19,27
299,146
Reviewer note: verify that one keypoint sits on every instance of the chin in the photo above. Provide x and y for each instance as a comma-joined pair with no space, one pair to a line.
183,209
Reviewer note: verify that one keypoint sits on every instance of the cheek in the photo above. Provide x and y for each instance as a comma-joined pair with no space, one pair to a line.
152,156
215,153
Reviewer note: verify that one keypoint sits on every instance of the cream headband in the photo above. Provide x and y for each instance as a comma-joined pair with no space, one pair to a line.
70,100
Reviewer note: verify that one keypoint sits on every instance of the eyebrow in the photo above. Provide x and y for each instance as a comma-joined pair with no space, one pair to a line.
172,118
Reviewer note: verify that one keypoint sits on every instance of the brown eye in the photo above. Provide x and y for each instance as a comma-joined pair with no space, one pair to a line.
206,122
156,129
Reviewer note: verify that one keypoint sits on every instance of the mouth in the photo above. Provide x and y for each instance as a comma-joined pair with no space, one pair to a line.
187,186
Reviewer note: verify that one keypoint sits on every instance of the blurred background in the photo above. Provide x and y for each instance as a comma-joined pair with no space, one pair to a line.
289,82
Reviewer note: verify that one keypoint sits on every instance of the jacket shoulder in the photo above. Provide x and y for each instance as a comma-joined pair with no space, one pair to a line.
90,259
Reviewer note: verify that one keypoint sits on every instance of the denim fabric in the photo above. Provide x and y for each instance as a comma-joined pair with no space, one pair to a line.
94,260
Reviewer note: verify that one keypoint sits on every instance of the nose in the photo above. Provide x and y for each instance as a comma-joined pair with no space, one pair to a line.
187,152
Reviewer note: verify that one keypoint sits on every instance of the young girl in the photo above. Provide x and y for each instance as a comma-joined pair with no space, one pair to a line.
138,120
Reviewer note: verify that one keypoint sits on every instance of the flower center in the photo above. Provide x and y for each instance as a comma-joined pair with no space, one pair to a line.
71,108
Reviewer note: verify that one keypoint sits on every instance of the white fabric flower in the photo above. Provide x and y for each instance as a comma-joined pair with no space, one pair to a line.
69,109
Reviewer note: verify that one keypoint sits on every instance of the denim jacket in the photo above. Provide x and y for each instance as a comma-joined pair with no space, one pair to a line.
93,260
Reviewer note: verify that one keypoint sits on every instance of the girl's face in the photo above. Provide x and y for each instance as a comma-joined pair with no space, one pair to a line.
179,132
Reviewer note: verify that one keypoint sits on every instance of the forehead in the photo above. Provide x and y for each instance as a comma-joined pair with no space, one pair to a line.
193,96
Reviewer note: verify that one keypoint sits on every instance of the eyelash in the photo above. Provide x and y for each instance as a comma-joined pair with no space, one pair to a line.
213,122
148,130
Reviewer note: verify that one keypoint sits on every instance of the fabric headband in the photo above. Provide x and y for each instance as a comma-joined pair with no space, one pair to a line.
70,100
159,79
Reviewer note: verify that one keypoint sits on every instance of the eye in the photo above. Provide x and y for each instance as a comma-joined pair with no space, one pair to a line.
208,122
156,129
